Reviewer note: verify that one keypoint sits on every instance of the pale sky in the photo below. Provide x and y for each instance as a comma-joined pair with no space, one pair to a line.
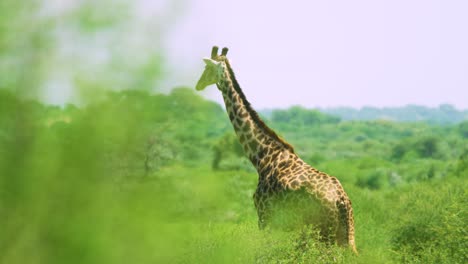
329,53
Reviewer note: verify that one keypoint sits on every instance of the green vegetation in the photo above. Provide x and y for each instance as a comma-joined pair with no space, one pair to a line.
160,178
444,114
124,175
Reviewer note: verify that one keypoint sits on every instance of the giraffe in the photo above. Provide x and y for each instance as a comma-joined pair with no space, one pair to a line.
289,192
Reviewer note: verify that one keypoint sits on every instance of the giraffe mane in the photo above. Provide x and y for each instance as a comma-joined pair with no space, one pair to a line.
256,118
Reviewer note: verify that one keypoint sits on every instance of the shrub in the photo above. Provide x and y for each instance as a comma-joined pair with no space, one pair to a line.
432,224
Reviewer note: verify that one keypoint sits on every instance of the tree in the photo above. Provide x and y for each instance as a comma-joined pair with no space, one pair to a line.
463,129
428,147
399,150
26,45
462,164
226,146
299,116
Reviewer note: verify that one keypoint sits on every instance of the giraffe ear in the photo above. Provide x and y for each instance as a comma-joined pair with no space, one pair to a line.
209,61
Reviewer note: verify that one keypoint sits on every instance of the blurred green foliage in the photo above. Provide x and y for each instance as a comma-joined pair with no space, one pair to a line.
134,176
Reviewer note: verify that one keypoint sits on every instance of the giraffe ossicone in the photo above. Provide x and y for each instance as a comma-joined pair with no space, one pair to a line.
289,192
214,52
224,51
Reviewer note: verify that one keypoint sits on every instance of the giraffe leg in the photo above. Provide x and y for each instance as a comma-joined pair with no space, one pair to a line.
262,211
343,228
263,217
345,231
261,223
328,230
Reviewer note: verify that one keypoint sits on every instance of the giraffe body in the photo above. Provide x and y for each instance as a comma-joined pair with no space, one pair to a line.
289,192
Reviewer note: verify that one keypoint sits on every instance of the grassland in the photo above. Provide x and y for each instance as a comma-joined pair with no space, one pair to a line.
131,179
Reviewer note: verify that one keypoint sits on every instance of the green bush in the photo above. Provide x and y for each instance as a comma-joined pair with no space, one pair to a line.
431,227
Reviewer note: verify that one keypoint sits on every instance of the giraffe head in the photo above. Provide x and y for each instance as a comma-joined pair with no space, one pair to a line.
214,69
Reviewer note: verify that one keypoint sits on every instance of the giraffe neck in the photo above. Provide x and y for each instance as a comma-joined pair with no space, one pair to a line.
256,138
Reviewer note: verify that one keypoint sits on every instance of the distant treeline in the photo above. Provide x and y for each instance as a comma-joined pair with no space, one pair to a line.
442,115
